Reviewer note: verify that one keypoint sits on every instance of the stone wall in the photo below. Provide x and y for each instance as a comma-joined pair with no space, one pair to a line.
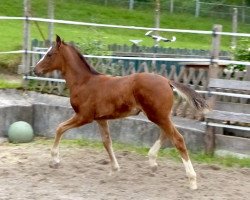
44,112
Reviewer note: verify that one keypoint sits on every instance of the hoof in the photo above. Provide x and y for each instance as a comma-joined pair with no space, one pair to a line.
193,185
114,170
54,165
115,167
154,167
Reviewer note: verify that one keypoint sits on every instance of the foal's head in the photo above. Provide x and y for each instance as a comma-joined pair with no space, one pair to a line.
52,60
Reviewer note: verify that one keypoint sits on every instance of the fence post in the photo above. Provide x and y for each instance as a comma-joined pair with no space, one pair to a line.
157,18
213,73
131,4
215,51
24,69
51,24
243,11
171,6
248,73
234,26
197,8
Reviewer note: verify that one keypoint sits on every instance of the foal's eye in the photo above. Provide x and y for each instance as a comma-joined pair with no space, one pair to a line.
49,54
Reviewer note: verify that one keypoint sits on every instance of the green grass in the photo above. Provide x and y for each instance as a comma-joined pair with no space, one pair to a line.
11,37
9,84
11,34
171,153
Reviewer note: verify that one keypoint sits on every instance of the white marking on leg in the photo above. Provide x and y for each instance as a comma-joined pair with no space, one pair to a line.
44,55
190,173
114,163
152,154
55,156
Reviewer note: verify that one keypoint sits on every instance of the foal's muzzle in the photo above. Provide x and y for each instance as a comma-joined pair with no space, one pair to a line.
37,72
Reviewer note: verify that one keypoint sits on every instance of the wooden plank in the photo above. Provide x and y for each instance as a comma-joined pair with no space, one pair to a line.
228,116
232,107
234,144
229,84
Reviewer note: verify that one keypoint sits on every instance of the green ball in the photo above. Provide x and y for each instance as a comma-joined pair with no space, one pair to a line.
20,132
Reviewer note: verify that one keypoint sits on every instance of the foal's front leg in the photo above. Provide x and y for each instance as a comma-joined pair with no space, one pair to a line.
73,122
107,142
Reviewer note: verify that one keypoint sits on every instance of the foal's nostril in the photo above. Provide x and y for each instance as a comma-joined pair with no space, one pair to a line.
36,72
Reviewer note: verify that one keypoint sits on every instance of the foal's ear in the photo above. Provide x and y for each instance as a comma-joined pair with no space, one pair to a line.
58,41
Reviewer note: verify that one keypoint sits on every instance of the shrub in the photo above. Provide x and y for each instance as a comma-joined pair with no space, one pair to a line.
241,53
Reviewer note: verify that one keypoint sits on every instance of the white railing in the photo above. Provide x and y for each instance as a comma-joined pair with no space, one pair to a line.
124,27
128,27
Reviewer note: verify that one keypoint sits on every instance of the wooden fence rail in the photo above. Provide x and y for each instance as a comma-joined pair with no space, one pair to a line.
196,78
162,51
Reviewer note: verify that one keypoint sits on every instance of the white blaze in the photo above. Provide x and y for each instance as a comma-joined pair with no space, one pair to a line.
45,55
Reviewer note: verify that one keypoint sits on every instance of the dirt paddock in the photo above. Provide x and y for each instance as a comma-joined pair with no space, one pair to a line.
84,174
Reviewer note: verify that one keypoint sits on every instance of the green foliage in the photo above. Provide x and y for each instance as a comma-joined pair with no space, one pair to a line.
92,46
98,47
241,53
145,0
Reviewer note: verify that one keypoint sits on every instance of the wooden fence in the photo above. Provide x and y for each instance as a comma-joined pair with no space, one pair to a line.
196,78
145,51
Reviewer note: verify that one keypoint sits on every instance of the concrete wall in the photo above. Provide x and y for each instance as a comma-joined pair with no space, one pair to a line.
45,112
13,108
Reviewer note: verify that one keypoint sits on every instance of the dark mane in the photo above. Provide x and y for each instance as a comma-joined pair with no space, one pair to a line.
91,69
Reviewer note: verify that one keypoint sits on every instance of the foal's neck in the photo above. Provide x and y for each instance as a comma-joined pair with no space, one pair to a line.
76,70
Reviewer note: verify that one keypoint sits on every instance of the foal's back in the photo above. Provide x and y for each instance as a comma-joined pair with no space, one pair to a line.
115,97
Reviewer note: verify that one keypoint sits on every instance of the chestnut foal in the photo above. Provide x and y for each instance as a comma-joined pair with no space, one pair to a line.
95,96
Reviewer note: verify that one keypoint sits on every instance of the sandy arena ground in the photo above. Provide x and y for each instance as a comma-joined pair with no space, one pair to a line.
83,175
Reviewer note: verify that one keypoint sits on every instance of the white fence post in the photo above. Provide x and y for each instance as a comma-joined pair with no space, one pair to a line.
131,4
197,8
24,69
243,14
171,6
157,17
51,24
234,26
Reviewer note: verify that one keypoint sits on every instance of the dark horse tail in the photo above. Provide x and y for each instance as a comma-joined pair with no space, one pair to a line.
194,99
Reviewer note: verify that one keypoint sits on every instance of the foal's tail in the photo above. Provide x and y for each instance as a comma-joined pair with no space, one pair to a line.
195,99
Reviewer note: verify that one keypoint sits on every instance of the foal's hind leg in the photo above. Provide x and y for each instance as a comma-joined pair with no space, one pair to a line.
178,140
179,143
107,142
152,154
73,122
